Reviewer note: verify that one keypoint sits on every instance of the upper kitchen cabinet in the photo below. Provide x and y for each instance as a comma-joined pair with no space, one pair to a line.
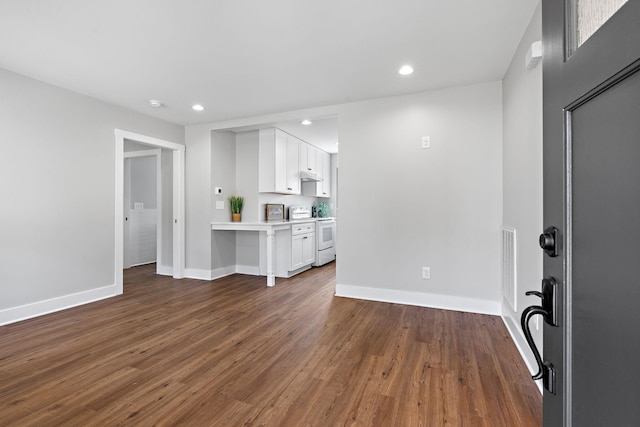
325,190
308,156
323,187
279,169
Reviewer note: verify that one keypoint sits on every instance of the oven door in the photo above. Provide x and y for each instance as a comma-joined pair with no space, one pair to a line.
326,230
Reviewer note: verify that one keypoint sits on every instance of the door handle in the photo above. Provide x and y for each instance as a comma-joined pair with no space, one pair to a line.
549,311
549,299
526,316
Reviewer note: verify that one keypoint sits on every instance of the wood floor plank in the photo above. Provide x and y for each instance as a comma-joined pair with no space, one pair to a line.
232,352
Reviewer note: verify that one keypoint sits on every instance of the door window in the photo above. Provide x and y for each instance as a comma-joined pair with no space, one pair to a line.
589,15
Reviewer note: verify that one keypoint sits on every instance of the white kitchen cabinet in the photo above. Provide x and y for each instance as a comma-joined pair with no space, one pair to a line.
308,156
325,185
303,245
293,168
292,253
322,188
278,167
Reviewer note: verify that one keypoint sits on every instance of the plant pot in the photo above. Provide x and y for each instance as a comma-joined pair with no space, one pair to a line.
235,217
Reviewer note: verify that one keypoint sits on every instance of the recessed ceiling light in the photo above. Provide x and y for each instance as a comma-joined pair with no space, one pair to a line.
198,107
405,70
155,103
306,122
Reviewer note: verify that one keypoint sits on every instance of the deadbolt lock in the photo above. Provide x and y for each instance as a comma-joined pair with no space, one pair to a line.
549,241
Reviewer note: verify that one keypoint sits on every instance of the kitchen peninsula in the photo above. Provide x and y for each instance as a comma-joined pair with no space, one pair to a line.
286,247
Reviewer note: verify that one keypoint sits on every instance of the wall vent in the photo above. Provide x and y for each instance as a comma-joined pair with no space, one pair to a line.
509,272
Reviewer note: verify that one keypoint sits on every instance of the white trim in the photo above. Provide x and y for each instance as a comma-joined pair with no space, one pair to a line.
196,273
119,215
521,344
164,270
445,302
40,308
149,140
248,269
142,153
200,274
178,214
222,272
178,200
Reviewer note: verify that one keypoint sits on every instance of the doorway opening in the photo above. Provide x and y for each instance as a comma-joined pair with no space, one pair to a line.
177,208
144,222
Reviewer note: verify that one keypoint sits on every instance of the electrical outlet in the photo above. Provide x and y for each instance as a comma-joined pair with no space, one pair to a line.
426,142
426,273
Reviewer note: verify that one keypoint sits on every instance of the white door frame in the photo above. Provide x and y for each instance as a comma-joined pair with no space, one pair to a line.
178,201
158,155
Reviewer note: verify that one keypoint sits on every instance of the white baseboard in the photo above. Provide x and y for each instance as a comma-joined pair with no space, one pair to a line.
200,274
164,270
517,336
253,270
196,273
445,302
40,308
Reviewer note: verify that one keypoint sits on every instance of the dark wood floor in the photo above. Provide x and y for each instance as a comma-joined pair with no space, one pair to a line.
234,353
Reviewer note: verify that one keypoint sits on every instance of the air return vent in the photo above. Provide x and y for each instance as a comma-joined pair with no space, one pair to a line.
509,276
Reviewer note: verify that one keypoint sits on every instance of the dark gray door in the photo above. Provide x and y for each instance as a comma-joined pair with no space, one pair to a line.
592,196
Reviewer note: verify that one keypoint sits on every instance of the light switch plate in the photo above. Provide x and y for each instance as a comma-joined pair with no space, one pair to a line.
219,204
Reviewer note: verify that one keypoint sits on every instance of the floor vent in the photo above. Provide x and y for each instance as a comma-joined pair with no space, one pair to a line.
509,276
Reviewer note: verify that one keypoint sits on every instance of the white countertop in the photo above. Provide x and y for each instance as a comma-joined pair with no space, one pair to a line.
257,225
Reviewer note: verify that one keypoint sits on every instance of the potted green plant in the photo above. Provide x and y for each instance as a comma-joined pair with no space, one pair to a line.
236,203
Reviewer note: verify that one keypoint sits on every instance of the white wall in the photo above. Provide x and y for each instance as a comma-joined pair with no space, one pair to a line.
144,182
58,194
403,207
223,174
198,200
246,171
522,169
452,194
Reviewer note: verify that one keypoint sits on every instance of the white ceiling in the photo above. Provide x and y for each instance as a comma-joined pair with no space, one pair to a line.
242,58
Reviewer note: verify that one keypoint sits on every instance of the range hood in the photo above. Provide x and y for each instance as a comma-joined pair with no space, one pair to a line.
307,176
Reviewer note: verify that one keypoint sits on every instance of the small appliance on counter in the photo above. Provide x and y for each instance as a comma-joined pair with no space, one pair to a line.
297,213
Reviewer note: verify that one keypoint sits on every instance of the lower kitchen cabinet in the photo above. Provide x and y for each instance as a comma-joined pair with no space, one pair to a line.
303,248
294,250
